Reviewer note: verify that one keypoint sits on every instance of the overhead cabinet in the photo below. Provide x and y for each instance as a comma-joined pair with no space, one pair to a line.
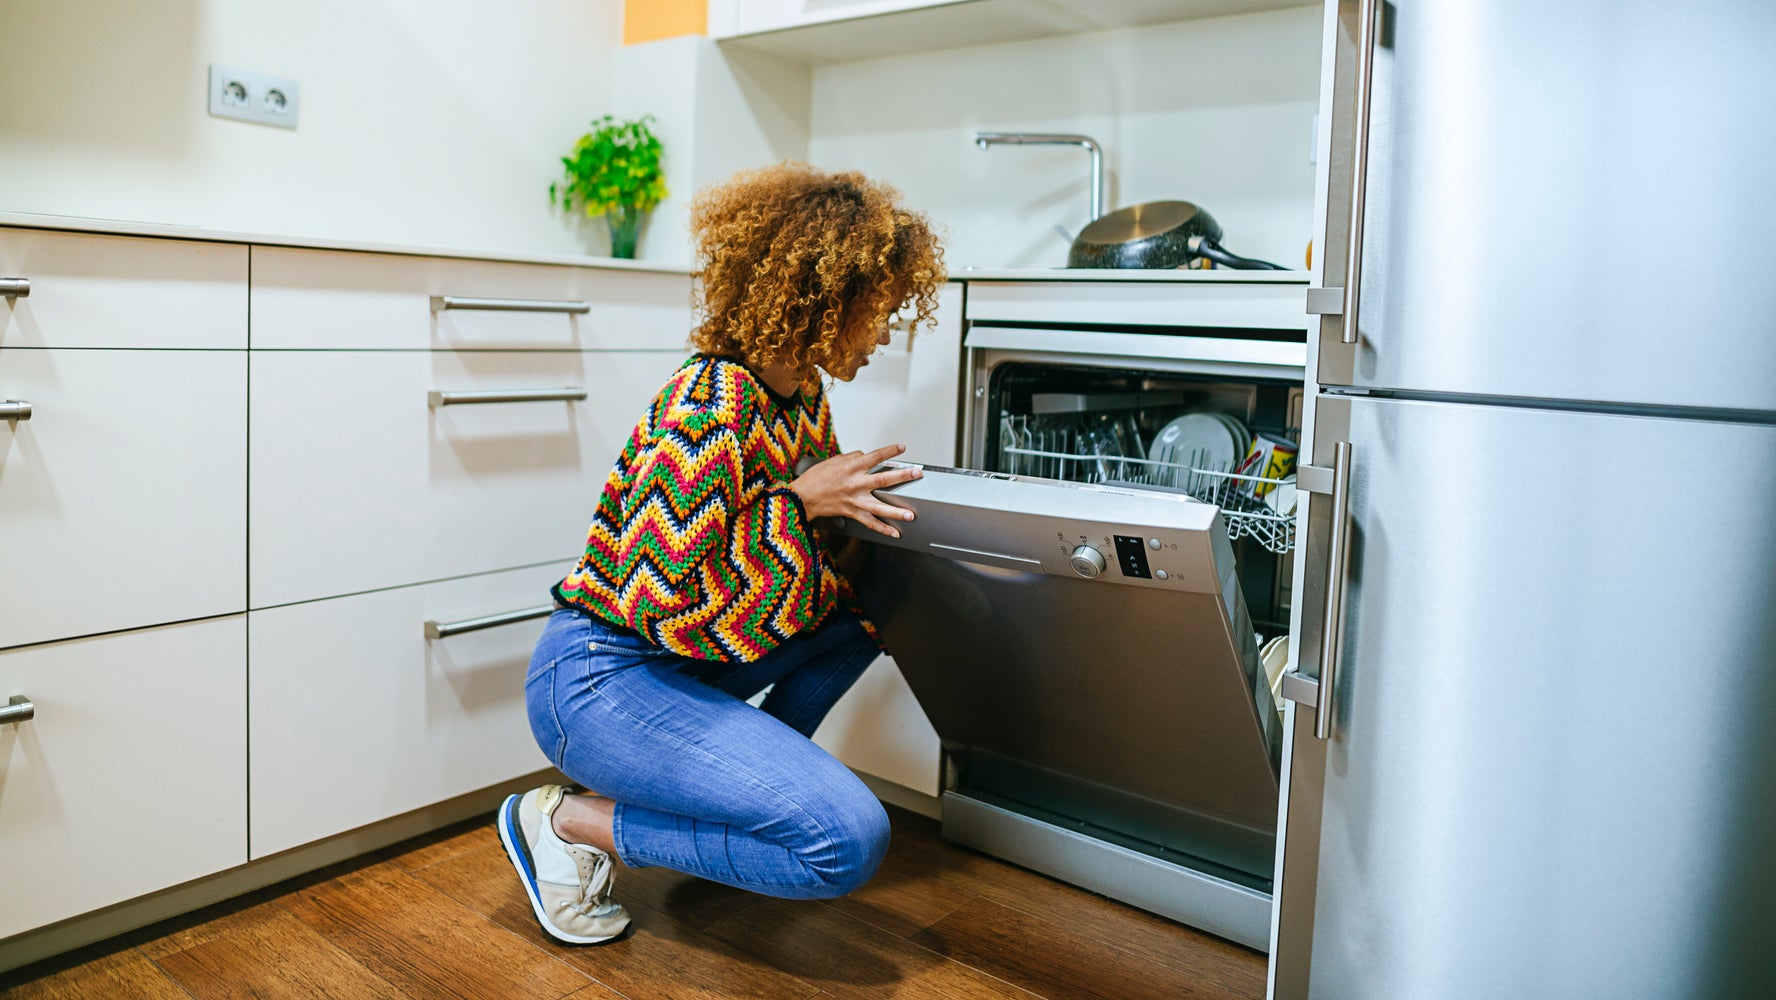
829,31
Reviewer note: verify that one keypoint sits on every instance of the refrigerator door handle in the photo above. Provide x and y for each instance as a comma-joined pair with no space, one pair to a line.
1330,301
1309,692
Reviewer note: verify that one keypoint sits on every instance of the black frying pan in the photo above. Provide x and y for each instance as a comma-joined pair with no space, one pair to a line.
1156,234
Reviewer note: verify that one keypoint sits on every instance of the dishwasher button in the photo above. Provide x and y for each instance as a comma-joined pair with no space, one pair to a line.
1160,574
1153,543
1087,561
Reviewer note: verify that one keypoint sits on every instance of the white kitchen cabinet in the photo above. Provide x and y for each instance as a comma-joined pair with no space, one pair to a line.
832,31
156,433
131,777
744,17
87,290
319,299
356,716
123,496
908,394
358,482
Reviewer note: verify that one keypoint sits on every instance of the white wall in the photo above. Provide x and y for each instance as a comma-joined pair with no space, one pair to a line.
429,122
1217,112
718,111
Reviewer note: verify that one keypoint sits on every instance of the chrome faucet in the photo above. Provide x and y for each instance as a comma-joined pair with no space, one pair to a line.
985,139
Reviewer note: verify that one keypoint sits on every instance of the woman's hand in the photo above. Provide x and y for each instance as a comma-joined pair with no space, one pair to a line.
841,485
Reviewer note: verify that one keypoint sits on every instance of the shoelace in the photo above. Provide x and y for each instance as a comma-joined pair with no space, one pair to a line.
593,869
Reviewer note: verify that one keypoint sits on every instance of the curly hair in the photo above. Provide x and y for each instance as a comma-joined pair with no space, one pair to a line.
790,256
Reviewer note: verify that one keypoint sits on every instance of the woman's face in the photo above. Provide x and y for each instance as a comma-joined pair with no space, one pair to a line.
859,339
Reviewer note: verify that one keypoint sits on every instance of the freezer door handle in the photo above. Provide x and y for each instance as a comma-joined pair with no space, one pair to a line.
1316,693
1343,301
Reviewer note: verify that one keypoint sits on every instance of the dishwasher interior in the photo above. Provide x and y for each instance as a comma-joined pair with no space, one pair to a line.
1127,422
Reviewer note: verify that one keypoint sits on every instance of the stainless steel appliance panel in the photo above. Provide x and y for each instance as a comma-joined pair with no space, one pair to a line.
1549,771
1567,200
1127,699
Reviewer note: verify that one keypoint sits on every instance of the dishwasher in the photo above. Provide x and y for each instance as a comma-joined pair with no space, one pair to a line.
1080,609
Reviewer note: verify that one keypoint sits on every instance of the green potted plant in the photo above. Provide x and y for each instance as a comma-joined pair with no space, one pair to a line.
614,171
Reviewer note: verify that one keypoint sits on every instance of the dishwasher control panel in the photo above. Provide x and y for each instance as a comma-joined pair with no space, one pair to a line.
1131,555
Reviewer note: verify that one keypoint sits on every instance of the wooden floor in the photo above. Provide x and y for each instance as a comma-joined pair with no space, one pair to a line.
443,916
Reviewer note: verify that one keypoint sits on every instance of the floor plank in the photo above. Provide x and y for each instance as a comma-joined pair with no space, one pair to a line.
1144,934
906,895
208,924
693,902
443,915
849,958
437,846
1051,958
126,973
422,942
273,958
663,957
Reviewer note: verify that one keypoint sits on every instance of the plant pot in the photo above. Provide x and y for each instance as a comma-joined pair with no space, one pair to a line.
625,226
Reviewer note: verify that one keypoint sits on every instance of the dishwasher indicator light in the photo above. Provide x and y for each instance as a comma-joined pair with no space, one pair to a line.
1131,555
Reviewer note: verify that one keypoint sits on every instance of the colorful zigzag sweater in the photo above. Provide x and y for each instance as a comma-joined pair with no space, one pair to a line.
698,543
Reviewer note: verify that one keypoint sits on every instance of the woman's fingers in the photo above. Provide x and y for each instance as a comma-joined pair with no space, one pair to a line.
893,477
882,454
869,521
890,512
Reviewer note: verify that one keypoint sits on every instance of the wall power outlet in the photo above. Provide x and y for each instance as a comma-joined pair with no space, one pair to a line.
253,97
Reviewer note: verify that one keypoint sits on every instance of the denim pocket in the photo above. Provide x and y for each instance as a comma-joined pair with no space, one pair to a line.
626,644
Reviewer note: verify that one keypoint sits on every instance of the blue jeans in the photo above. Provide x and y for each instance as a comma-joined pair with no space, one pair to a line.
704,782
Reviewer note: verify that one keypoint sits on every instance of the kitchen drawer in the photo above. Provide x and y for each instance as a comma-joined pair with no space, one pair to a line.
337,300
356,483
120,291
123,496
356,716
132,775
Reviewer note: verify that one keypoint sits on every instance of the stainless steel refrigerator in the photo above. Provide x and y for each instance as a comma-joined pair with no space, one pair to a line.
1533,746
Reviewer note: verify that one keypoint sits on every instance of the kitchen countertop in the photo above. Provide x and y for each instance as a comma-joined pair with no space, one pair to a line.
1168,275
122,227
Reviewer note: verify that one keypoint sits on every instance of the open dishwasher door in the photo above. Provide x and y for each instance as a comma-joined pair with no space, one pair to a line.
1086,657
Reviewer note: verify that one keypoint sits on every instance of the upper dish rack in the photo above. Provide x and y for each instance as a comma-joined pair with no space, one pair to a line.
1252,506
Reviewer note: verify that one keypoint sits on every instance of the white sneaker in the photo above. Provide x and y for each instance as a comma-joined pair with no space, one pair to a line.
568,884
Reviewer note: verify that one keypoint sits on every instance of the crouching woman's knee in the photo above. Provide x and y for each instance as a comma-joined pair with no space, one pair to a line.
850,849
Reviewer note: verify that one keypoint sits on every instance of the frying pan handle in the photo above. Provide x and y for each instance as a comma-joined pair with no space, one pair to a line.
1202,246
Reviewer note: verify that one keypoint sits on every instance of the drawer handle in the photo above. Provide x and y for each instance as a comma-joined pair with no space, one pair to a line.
19,709
443,302
444,630
15,409
442,397
15,288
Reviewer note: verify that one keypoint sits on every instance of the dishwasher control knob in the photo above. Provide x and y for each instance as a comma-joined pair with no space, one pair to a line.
1088,561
